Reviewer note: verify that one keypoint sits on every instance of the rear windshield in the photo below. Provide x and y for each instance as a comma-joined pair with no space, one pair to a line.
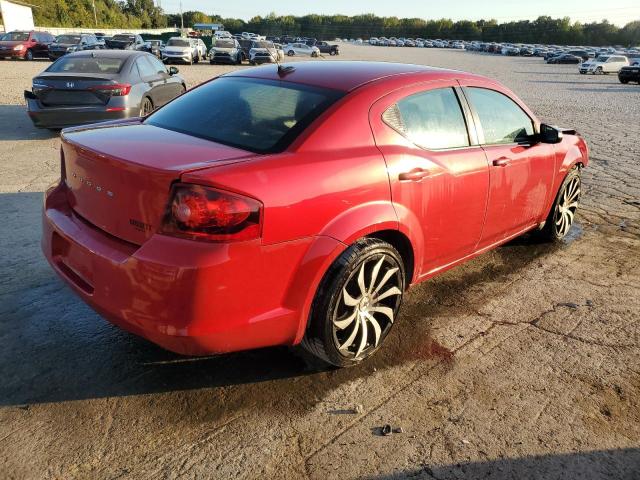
178,42
125,38
224,44
16,37
253,114
68,39
86,65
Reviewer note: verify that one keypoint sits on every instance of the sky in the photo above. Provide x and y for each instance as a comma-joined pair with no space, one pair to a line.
619,12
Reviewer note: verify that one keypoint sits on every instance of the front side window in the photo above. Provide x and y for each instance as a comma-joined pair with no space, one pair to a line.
256,115
145,68
502,120
432,119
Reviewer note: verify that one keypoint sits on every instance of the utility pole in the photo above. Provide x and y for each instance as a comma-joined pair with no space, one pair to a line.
181,19
95,15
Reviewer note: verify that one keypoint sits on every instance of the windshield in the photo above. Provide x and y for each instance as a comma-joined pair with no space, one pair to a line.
68,39
253,114
224,44
178,42
262,45
16,37
86,65
124,38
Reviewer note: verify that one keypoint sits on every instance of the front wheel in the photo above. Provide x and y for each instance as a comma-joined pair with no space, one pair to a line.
291,53
356,303
28,55
562,214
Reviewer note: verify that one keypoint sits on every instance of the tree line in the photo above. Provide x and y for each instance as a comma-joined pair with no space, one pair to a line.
144,14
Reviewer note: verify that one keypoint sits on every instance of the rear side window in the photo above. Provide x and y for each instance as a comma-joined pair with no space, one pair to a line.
257,115
431,119
145,68
502,120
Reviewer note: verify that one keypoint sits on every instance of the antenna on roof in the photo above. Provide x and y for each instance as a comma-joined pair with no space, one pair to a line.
282,70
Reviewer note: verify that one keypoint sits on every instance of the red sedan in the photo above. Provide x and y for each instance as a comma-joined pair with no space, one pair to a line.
286,205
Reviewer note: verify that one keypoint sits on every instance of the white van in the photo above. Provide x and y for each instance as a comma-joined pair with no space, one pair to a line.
607,64
220,34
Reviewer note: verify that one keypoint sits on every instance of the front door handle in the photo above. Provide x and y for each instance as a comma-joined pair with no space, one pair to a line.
501,162
414,175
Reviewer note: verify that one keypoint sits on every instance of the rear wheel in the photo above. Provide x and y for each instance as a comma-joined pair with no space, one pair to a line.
624,81
146,107
291,53
28,55
563,211
356,303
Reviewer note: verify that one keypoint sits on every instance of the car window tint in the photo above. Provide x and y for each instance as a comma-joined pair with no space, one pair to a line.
431,119
86,65
252,114
145,68
502,120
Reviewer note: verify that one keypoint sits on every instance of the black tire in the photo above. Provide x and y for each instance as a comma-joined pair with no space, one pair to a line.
196,59
552,231
29,55
314,54
146,106
291,53
599,71
624,81
322,338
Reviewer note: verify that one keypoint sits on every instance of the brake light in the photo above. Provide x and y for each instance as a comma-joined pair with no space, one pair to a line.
114,89
204,213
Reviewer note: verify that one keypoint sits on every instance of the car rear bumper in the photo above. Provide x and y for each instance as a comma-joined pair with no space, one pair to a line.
54,55
68,116
191,297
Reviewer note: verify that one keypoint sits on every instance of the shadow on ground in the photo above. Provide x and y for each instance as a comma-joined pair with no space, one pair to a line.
620,464
15,124
55,348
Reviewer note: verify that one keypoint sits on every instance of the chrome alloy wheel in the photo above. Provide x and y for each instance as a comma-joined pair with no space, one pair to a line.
566,207
370,300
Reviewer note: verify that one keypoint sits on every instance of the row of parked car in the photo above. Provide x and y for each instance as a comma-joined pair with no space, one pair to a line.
590,60
226,48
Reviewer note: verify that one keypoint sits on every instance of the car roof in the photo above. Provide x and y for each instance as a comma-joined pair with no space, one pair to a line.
347,75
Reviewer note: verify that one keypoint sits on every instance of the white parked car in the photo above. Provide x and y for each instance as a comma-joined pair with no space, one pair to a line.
220,34
199,49
225,50
607,64
178,49
301,49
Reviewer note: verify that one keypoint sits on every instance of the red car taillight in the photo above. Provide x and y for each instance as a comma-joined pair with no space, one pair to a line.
115,90
205,213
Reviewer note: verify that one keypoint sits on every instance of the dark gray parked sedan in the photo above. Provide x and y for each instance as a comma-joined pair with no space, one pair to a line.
94,86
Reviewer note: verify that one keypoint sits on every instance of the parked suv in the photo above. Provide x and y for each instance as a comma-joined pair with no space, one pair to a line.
26,45
73,43
608,64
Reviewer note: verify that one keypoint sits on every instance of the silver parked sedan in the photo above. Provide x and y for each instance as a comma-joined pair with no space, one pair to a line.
94,86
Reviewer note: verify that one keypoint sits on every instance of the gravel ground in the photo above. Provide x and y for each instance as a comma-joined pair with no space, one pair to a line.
523,363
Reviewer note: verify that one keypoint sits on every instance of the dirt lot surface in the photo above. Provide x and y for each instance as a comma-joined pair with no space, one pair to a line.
523,363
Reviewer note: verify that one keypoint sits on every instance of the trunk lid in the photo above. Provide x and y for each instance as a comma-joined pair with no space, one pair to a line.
119,176
58,89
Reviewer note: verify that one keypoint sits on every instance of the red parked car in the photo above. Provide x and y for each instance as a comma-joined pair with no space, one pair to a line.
26,45
279,205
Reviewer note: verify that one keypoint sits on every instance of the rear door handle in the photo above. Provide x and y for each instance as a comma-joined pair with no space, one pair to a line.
414,175
501,162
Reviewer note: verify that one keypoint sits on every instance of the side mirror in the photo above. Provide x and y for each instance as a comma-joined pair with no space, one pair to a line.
549,134
173,70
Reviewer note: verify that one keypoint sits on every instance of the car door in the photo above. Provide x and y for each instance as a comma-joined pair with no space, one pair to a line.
154,81
438,173
521,168
172,85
